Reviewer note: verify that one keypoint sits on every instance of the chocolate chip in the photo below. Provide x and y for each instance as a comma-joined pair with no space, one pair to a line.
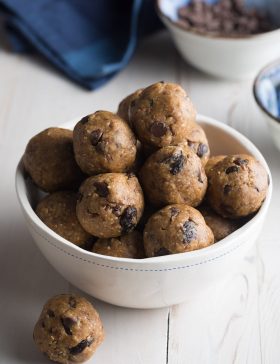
72,302
101,188
175,162
231,169
241,162
189,232
50,313
128,219
227,189
161,252
78,349
201,150
84,120
95,136
257,189
67,323
158,129
89,243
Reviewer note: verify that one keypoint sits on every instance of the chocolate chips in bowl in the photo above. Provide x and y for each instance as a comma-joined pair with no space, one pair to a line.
229,18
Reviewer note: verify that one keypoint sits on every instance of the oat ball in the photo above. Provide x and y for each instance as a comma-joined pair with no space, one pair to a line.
212,161
49,160
69,329
124,110
103,142
58,212
237,186
163,114
110,204
125,246
197,141
220,226
175,229
174,174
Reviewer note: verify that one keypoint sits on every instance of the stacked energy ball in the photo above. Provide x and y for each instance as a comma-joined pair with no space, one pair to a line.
141,183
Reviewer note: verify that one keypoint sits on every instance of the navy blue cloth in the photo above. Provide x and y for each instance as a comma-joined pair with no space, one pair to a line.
89,40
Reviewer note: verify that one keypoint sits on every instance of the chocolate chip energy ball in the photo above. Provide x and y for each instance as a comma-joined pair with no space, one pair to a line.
237,186
163,114
58,212
197,141
103,142
125,246
124,110
212,162
220,226
174,174
49,160
110,204
175,229
69,329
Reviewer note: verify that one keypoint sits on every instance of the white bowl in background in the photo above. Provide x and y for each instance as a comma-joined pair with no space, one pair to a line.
266,90
234,58
152,282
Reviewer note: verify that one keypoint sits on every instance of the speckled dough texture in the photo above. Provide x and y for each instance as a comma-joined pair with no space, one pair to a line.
220,226
49,160
58,212
175,229
174,174
212,161
125,246
110,204
124,109
237,186
69,329
163,114
103,142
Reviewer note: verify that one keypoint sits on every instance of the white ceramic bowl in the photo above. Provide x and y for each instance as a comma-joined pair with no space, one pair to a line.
266,91
234,58
151,282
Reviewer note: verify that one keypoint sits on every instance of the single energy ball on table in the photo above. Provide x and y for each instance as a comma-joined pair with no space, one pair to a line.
124,109
174,174
103,142
237,186
197,141
110,204
58,212
125,246
220,226
212,161
69,329
175,229
163,114
49,160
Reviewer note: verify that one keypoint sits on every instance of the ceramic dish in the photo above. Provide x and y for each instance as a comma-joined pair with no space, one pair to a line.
266,91
152,282
235,58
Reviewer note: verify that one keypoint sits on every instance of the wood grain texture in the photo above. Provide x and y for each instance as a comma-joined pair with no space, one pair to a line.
238,321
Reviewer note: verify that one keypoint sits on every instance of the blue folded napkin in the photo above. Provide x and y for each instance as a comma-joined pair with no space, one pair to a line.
89,40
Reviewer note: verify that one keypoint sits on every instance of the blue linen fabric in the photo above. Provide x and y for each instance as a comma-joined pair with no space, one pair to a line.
89,40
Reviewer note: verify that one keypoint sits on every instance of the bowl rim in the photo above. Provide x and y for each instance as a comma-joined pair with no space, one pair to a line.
256,82
207,35
203,254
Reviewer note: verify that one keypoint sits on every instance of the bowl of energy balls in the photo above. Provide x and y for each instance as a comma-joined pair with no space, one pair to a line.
145,207
226,38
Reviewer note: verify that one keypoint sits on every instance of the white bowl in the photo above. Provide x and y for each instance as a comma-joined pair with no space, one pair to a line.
152,282
234,58
266,91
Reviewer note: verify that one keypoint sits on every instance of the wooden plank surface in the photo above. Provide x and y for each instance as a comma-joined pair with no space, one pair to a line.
237,322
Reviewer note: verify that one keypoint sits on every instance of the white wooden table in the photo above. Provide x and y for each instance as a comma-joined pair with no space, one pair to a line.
238,323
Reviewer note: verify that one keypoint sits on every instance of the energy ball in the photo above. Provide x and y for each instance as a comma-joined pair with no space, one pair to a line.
163,114
125,246
110,204
220,226
124,110
49,160
69,329
212,161
175,229
197,141
174,174
237,186
103,142
58,212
